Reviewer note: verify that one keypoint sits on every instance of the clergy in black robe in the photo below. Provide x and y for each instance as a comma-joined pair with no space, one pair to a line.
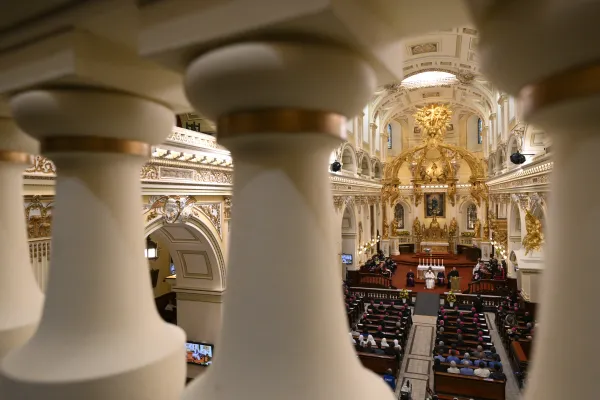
440,278
452,274
410,279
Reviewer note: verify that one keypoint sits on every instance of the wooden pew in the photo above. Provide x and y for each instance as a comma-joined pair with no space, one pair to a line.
379,363
518,356
469,386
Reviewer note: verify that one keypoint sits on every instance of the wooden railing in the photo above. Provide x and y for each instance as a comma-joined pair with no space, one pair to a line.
374,280
490,303
381,294
489,286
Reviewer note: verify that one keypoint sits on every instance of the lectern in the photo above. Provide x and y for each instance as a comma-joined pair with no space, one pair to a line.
455,283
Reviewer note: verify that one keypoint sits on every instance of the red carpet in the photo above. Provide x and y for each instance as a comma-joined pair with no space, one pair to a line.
405,262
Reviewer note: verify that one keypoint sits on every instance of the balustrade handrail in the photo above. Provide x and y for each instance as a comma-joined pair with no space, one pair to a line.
376,293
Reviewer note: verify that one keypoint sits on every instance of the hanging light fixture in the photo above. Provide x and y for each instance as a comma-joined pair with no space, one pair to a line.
151,251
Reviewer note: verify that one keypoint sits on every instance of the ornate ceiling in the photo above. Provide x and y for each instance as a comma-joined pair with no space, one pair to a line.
452,51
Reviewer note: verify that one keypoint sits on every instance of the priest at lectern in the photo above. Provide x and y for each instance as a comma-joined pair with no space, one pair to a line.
452,274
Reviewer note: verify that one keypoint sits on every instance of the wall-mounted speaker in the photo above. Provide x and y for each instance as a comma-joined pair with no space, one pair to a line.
517,158
336,166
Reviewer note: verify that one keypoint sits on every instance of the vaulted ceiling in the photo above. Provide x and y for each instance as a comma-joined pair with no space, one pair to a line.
453,51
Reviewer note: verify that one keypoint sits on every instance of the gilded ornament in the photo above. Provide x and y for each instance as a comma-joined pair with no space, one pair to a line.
434,120
149,172
453,228
41,165
38,217
385,230
534,239
477,228
416,230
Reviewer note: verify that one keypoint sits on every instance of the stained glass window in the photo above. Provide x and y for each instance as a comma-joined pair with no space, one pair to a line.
479,131
389,139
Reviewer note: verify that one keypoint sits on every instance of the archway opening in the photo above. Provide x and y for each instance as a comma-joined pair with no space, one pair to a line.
348,163
364,167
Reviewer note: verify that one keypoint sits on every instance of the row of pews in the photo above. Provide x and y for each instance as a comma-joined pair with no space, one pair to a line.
380,321
463,331
516,328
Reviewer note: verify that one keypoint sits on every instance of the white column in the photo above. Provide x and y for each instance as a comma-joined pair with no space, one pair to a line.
560,93
283,209
100,336
20,297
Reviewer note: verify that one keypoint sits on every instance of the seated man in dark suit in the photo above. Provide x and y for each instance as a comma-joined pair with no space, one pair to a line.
497,373
440,278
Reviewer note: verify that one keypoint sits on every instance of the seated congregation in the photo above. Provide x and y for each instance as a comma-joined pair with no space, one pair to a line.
379,264
465,361
379,333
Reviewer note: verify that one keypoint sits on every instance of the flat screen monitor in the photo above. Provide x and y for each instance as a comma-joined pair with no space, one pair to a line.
199,353
347,259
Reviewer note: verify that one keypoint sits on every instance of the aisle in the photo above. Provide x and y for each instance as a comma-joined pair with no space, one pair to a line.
512,391
417,362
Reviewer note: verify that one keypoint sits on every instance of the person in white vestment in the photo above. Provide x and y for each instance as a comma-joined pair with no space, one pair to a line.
429,279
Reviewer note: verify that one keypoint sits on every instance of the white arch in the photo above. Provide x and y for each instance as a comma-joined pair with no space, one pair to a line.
377,168
462,211
364,161
207,242
348,158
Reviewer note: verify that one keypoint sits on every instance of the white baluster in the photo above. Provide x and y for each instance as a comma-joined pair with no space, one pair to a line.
20,297
276,106
100,336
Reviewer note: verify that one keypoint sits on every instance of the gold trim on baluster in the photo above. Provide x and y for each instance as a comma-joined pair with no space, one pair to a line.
569,85
94,144
16,157
282,121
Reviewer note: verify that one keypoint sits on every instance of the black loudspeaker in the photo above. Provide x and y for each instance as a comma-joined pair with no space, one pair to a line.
517,158
336,166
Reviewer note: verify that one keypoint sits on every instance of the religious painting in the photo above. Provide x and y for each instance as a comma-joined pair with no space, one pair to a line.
450,127
417,129
435,203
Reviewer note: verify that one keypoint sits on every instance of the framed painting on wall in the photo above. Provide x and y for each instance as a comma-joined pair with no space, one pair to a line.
435,202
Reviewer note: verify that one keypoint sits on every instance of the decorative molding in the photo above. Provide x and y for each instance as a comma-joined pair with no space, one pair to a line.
227,207
41,165
200,297
190,138
212,211
38,217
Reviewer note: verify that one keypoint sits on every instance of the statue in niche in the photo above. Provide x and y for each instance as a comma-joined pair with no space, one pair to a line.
453,227
417,227
477,228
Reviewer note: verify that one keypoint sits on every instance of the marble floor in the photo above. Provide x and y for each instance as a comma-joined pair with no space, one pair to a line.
417,362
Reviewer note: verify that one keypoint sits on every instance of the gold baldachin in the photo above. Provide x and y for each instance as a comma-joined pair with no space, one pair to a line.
569,85
282,121
16,157
94,144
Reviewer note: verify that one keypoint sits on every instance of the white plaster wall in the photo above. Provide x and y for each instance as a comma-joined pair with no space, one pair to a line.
201,322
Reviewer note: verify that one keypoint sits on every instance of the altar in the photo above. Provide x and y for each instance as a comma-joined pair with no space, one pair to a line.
434,238
436,247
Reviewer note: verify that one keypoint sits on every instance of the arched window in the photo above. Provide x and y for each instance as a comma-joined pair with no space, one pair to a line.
399,216
389,132
471,216
479,131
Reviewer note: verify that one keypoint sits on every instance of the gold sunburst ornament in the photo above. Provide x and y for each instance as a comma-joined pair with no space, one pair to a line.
433,120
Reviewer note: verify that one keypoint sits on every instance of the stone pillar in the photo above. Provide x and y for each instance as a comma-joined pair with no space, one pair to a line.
559,92
20,297
100,336
394,247
280,108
